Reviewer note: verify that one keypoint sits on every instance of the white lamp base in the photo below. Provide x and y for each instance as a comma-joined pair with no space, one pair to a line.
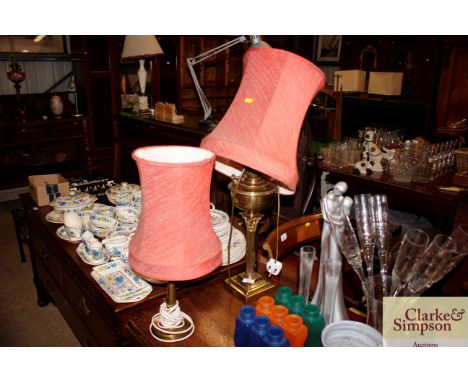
143,103
142,76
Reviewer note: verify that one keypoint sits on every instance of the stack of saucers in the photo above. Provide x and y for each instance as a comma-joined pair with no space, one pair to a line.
221,226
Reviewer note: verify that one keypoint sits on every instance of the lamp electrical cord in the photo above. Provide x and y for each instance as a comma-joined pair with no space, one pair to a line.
168,320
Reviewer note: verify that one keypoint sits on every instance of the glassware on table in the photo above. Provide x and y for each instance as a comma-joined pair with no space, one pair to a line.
434,264
376,320
460,236
307,259
326,154
345,238
347,243
437,265
411,250
382,234
403,165
364,215
332,275
422,168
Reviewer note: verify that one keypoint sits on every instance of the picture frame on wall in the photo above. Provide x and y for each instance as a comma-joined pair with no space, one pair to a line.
328,49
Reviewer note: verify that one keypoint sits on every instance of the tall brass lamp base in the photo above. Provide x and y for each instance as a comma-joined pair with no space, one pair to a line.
245,290
251,194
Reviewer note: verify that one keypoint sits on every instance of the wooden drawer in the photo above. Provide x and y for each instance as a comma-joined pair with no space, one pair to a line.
45,255
81,331
89,314
32,134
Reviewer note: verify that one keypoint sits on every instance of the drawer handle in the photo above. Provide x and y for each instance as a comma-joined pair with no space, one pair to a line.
84,307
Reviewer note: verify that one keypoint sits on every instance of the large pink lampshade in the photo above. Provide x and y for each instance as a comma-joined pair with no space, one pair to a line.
175,240
261,128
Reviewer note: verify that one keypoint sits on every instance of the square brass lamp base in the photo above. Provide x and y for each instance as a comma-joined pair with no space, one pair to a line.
246,290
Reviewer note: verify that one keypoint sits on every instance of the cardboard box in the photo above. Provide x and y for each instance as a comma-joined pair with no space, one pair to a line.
350,81
45,188
385,83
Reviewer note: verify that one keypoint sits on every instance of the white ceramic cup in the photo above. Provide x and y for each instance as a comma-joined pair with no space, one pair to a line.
350,334
95,249
73,224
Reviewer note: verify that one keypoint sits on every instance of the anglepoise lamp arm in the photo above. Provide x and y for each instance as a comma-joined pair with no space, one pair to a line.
191,61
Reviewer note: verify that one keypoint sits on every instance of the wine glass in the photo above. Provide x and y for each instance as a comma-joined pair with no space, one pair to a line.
382,235
435,263
411,250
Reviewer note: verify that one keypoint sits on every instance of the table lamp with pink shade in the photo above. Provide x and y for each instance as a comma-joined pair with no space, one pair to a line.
259,133
175,240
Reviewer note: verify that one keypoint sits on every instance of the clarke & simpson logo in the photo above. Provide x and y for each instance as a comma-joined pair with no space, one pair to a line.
425,321
416,320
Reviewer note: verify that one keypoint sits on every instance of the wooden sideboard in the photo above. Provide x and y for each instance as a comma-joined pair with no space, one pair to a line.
61,277
57,144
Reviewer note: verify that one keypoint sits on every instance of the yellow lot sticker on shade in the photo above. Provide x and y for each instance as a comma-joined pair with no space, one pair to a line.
248,100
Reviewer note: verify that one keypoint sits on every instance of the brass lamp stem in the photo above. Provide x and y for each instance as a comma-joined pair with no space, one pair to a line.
251,193
251,218
171,294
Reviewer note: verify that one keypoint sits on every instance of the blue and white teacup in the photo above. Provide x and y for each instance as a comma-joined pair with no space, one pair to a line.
117,245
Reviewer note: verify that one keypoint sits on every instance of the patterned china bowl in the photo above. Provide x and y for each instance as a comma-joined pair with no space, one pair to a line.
122,230
101,224
75,202
122,194
103,209
116,245
126,214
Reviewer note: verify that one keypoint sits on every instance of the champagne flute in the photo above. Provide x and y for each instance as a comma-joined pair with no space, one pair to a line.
411,250
364,215
348,245
434,264
382,236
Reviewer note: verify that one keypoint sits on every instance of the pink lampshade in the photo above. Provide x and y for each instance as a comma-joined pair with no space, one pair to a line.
261,128
175,240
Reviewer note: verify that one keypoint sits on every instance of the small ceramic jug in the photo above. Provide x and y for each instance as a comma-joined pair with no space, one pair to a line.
56,105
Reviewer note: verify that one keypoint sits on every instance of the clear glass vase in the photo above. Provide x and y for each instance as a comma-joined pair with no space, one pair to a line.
332,276
308,257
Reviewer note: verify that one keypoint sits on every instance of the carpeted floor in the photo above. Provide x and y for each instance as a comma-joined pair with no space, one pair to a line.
22,321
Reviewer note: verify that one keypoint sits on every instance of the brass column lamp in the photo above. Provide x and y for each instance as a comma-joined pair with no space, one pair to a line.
260,132
252,194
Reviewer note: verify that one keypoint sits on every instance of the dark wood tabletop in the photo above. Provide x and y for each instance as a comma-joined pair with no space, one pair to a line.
212,307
